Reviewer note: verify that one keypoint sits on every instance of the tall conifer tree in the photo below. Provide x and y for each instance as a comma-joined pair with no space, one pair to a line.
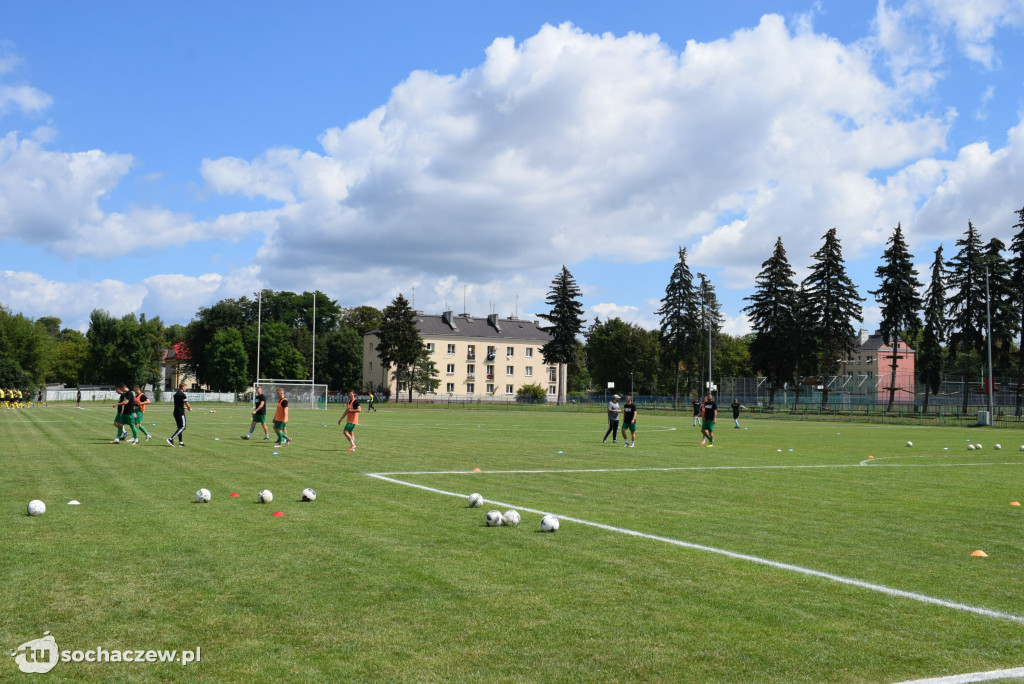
566,318
1017,285
931,359
399,342
772,315
679,319
898,296
966,301
832,303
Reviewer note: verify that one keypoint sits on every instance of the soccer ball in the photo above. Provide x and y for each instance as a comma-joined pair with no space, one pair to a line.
977,446
203,496
265,496
36,507
1022,447
510,518
970,447
493,518
910,444
998,446
475,500
549,523
308,494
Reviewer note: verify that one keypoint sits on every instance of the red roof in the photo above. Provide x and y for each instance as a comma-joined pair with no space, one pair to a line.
182,352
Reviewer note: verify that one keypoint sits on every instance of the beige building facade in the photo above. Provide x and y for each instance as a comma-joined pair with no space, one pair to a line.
487,359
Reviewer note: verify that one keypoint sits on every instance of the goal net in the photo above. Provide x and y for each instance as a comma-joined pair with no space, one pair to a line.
301,394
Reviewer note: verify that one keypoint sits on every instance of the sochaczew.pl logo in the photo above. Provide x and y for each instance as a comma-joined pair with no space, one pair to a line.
37,656
41,655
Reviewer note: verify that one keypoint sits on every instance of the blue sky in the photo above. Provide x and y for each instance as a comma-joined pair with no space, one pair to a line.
160,158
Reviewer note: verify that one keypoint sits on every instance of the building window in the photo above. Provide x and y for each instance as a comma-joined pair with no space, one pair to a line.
490,388
490,372
451,348
430,347
371,366
450,387
552,390
471,352
490,353
529,352
510,351
470,371
552,374
470,388
529,371
510,370
509,389
450,370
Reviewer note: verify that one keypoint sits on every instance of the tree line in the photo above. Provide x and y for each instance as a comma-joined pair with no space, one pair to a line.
799,330
221,344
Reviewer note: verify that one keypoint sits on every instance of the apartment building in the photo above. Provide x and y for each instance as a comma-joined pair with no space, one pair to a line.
869,367
485,358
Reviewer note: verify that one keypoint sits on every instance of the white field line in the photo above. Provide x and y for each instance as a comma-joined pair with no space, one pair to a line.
889,591
672,468
971,677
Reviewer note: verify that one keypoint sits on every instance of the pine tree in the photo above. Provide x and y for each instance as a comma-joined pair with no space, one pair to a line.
566,318
966,302
710,327
1017,285
931,360
772,315
399,343
679,319
1005,321
897,294
832,302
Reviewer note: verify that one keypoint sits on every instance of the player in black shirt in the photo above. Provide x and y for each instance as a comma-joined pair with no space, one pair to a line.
125,415
736,406
629,420
180,404
259,415
709,411
697,406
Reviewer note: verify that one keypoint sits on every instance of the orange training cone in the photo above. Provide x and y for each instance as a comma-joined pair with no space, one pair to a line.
476,470
980,554
278,514
233,494
1015,503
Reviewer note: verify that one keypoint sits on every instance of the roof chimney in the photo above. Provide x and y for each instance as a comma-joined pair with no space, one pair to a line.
492,320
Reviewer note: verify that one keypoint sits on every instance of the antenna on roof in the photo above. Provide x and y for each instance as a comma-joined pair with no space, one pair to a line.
464,309
413,297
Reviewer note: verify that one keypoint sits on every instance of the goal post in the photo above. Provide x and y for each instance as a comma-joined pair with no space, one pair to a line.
301,394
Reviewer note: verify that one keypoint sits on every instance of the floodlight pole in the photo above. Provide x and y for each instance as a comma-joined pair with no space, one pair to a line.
313,374
988,314
259,337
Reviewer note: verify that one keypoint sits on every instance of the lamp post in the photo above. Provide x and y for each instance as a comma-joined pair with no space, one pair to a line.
631,383
988,334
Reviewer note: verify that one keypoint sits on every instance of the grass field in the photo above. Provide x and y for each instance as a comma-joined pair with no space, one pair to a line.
783,554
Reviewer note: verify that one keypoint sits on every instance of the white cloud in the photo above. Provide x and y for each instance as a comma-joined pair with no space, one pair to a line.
176,298
914,28
625,312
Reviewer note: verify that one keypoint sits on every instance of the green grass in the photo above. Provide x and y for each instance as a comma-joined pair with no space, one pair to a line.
376,581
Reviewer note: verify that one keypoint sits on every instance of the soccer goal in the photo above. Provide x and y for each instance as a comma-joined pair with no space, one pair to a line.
301,394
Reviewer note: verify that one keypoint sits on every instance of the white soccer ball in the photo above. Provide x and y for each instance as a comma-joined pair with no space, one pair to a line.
265,496
510,518
203,496
493,518
1022,447
910,444
475,500
308,494
36,507
998,446
549,523
977,446
970,447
